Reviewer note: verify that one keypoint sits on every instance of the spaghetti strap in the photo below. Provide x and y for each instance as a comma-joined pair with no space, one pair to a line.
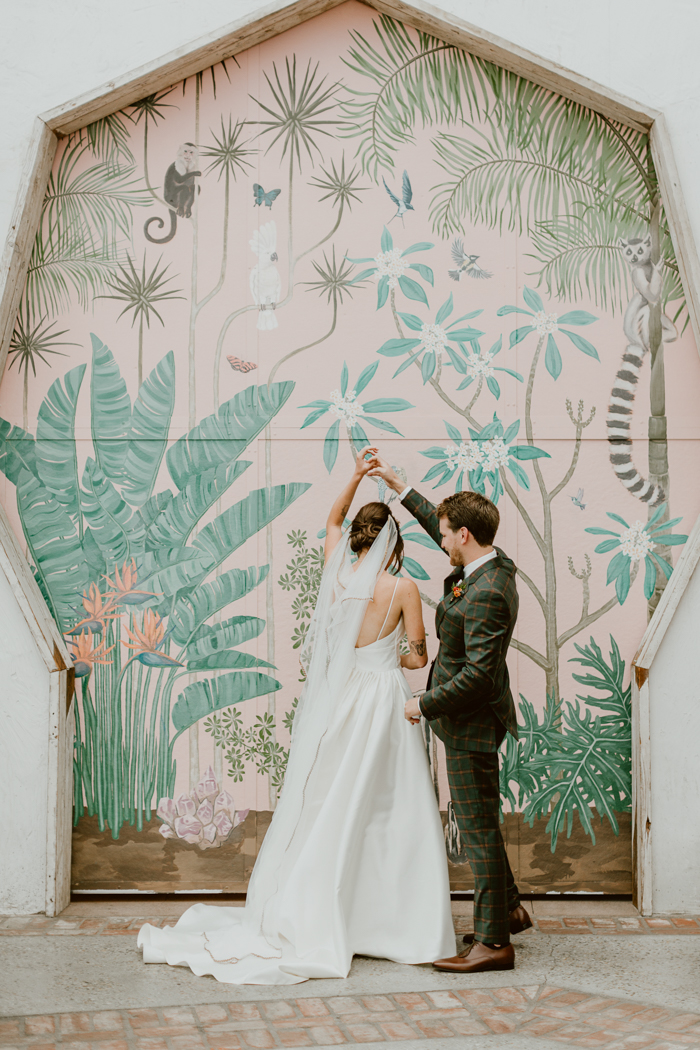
387,612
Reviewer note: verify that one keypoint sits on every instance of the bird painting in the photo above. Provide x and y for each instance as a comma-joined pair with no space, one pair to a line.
465,263
577,500
265,282
403,205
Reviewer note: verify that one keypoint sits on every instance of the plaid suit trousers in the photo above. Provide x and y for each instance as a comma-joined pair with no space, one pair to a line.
474,788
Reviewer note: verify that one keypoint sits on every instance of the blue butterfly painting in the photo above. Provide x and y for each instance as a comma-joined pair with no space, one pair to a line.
264,198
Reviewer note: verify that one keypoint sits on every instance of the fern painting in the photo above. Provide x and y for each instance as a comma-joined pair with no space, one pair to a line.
353,232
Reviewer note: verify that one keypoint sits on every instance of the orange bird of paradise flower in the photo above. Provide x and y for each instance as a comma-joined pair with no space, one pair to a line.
147,640
98,612
124,586
85,656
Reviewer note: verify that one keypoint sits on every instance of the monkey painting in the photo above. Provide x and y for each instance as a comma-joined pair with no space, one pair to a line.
178,191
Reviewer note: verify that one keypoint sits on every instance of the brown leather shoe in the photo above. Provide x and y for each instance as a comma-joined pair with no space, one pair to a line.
519,921
479,958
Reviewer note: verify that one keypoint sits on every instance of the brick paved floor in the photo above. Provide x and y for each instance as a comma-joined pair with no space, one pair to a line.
568,1018
39,925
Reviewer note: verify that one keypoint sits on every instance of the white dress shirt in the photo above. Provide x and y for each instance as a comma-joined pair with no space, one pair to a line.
468,569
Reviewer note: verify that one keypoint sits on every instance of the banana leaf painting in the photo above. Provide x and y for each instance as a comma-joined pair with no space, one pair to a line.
233,289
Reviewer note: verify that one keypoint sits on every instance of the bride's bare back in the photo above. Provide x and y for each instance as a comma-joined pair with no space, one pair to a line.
392,600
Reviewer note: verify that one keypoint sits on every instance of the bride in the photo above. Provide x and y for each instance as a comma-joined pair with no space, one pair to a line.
354,860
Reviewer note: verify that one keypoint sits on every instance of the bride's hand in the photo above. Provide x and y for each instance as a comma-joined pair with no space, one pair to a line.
363,465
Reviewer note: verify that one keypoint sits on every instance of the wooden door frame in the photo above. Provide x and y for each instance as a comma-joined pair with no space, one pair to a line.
262,25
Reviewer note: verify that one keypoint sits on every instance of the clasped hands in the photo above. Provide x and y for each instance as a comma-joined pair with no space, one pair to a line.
411,710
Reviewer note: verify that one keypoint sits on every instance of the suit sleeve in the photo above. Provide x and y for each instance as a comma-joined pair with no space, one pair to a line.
487,623
424,513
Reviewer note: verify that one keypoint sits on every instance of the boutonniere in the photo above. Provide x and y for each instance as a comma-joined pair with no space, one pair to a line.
458,589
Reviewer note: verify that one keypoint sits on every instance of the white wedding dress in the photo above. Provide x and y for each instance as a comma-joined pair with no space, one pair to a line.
354,861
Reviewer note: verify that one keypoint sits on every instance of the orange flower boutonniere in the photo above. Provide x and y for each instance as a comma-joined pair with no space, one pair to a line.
458,589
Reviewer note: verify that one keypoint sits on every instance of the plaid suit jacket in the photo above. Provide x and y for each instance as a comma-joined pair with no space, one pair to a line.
468,699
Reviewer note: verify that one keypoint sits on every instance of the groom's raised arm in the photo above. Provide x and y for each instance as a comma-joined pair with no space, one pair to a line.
422,509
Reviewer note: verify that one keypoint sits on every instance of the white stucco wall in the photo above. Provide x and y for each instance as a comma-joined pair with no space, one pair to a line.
674,689
24,744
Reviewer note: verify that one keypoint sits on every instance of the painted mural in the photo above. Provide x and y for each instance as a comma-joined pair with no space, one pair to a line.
353,232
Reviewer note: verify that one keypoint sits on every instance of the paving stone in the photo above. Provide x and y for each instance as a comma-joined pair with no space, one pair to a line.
328,1033
71,1023
399,1030
312,1007
222,1040
294,1037
108,1021
211,1014
365,1033
279,1010
343,1005
413,1002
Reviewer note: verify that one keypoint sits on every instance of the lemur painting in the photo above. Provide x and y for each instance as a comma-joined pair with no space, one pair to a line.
178,191
647,279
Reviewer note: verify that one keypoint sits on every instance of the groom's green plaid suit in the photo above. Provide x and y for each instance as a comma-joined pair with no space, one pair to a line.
470,707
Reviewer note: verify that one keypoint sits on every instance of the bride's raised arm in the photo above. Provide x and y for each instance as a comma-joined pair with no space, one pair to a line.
340,508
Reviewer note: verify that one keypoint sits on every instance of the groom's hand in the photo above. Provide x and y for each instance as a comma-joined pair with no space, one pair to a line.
411,710
381,469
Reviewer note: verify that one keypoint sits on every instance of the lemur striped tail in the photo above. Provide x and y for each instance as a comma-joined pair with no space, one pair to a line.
618,424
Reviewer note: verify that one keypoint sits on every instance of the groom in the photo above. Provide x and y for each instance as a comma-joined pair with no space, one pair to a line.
470,706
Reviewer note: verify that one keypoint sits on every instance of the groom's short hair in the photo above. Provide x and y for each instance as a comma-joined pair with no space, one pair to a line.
471,510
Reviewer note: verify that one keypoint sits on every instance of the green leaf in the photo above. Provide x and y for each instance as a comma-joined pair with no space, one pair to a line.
381,425
580,343
607,545
619,565
17,452
314,416
358,436
167,572
497,346
503,310
445,310
427,366
397,347
465,383
464,335
366,376
662,524
192,610
344,376
411,321
436,452
552,358
150,427
533,300
492,384
576,317
54,547
456,360
668,539
425,271
412,290
623,582
387,404
414,569
232,632
511,433
438,470
330,446
453,432
465,317
665,567
234,526
55,449
420,246
387,241
155,506
519,474
422,538
617,518
179,518
118,532
602,532
408,362
201,699
111,412
382,291
518,334
649,577
515,375
363,275
528,452
229,660
224,436
655,517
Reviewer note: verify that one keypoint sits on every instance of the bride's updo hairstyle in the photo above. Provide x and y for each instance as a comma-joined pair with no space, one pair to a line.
366,526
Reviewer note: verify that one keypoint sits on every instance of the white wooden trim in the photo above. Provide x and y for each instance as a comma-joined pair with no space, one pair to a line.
59,803
678,220
669,601
23,227
641,793
46,634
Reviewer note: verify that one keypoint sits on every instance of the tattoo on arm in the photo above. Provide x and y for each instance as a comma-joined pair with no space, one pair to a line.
418,648
344,510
